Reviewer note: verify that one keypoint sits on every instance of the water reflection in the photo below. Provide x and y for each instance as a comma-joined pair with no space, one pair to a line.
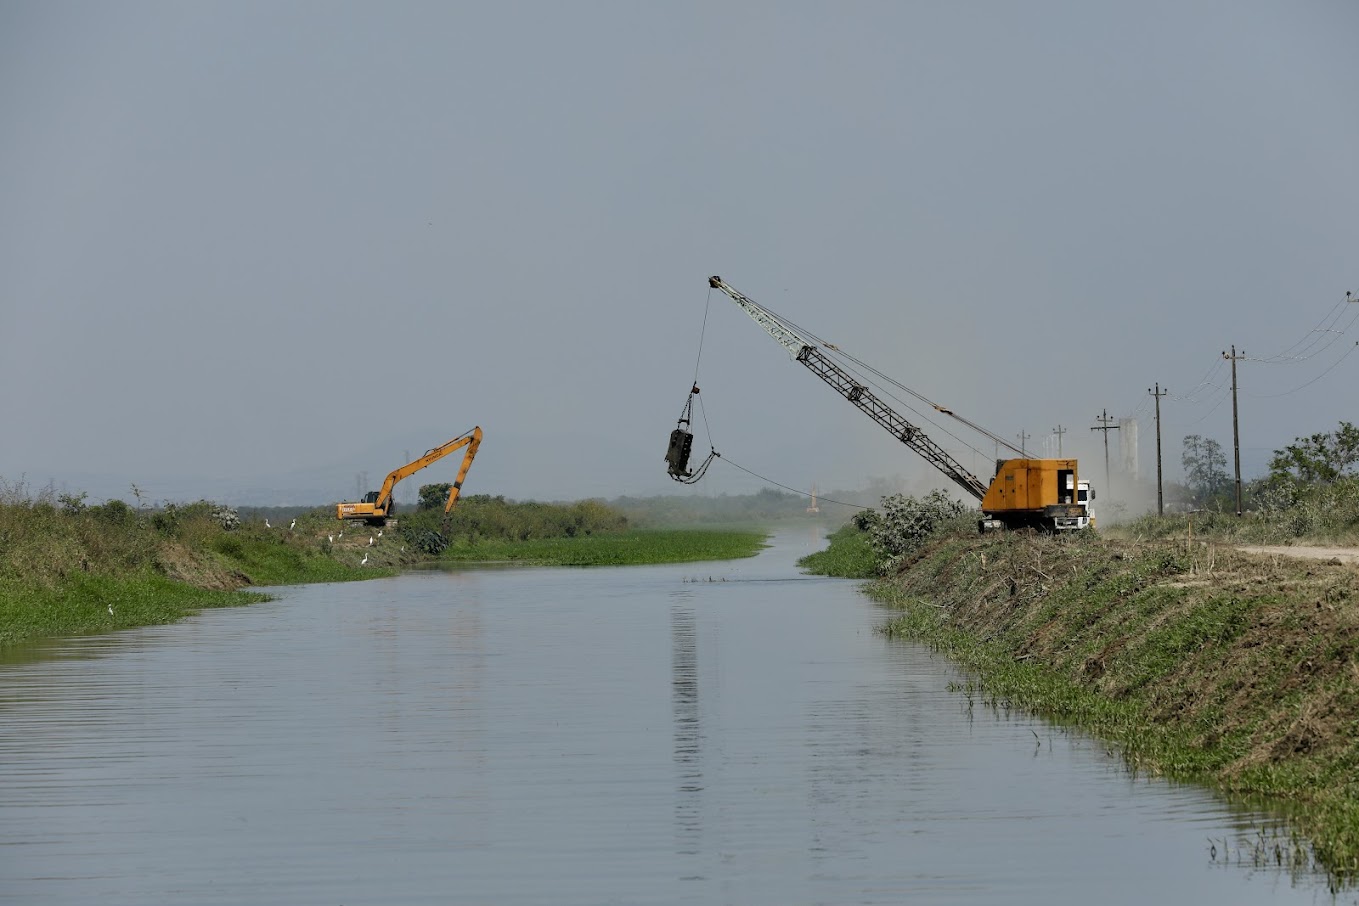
688,730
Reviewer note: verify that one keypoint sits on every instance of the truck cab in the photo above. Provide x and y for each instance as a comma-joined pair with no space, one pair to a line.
1085,496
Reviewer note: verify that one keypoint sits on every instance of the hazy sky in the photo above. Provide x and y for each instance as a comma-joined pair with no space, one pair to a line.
256,248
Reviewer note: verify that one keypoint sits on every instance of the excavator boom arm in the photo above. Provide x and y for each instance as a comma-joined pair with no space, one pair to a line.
453,492
472,440
805,351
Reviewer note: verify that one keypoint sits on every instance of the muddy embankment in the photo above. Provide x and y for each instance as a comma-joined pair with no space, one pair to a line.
1232,668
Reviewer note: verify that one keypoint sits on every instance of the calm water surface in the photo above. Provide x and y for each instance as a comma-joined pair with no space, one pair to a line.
707,733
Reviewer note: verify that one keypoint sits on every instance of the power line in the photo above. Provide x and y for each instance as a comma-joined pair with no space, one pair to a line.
1304,349
1332,367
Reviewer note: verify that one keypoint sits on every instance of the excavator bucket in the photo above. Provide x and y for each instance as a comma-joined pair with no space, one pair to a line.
677,455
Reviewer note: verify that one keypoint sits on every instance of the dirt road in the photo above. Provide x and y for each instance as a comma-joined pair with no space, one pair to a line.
1343,554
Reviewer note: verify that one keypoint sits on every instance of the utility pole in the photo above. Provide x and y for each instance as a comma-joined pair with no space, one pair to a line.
1236,430
1059,431
1023,436
1160,498
1105,424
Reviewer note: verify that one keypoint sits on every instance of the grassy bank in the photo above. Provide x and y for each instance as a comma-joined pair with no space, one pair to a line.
849,556
1198,662
89,604
621,549
67,568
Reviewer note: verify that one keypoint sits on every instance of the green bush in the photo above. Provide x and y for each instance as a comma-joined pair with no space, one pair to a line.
905,523
481,518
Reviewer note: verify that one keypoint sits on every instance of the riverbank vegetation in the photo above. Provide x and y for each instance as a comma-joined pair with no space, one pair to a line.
622,549
68,568
584,533
1197,661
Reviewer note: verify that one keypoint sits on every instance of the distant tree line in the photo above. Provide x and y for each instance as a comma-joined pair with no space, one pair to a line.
481,517
1308,465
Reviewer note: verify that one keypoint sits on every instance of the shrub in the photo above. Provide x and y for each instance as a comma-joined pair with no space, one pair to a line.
905,523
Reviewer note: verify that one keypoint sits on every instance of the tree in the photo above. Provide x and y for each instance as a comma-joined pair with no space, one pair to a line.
434,496
1205,467
1319,459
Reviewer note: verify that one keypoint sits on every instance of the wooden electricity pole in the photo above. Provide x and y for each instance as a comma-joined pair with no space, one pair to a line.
1059,431
1236,430
1104,425
1160,498
1023,436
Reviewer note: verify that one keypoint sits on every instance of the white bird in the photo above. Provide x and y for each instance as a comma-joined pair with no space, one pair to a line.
341,536
332,538
266,522
370,540
110,610
364,561
294,525
379,533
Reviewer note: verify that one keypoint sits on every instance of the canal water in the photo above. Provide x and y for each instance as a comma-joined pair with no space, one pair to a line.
728,732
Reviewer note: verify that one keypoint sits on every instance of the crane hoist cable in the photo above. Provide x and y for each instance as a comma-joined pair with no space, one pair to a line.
682,439
682,442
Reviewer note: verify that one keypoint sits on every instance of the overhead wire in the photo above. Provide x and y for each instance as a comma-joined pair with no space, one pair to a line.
1219,400
1211,391
1332,367
703,413
819,497
1205,384
1306,347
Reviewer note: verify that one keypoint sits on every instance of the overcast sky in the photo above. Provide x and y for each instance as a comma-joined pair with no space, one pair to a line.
257,248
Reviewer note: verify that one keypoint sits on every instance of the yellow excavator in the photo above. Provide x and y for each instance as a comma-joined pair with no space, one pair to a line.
377,507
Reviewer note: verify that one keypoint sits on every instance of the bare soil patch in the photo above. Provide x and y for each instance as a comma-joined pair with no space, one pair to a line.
1305,552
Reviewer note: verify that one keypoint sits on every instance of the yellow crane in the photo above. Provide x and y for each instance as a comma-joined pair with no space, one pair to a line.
377,506
1024,493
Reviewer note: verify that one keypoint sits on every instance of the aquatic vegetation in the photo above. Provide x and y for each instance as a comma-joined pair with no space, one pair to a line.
850,555
619,549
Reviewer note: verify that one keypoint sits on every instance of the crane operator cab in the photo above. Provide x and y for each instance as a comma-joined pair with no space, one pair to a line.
677,455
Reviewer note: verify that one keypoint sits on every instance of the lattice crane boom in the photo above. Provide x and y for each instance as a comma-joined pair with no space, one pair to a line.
805,351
